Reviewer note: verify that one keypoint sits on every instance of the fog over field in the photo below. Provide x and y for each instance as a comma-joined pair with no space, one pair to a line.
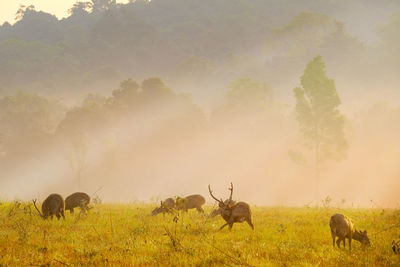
145,100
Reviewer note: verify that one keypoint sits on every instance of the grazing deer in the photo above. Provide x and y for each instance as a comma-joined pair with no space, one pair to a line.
218,211
166,206
233,212
342,227
190,202
52,205
78,199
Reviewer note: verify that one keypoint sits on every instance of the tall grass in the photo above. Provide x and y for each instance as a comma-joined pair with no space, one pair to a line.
127,235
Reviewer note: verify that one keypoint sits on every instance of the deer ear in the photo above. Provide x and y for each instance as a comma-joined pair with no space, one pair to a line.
365,233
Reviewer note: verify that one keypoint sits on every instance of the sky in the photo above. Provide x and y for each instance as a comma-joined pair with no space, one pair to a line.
8,8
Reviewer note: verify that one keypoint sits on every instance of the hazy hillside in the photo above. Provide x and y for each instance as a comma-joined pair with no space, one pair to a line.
197,46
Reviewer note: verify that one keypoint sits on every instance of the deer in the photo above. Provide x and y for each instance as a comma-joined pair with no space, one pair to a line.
218,211
342,227
165,206
52,205
190,202
78,199
233,212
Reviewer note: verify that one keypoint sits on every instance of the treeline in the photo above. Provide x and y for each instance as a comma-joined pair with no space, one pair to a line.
32,124
194,45
145,138
142,133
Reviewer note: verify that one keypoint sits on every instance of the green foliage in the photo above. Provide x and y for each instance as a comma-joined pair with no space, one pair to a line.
195,39
390,40
27,123
155,89
248,94
320,121
297,157
126,95
24,10
80,8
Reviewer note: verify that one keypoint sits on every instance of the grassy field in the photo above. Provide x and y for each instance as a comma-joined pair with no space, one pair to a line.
126,235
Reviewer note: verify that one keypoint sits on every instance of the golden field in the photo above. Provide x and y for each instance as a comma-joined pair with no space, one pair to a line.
127,235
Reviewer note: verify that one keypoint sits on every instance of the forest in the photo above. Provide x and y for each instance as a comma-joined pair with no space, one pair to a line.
151,98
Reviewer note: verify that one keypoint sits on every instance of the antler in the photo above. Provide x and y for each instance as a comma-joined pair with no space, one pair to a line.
209,189
34,203
231,189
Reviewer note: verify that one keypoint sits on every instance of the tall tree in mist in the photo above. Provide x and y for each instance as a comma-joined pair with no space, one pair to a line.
320,121
27,124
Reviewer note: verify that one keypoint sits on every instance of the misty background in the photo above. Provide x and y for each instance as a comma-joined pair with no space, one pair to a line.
152,99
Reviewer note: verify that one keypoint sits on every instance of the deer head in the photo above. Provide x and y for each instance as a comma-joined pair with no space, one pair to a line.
221,203
362,237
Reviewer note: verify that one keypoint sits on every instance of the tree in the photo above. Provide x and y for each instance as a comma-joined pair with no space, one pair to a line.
155,89
126,95
102,5
248,94
390,40
27,123
320,121
24,10
77,130
80,8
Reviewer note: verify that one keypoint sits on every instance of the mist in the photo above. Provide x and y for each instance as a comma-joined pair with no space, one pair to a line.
134,102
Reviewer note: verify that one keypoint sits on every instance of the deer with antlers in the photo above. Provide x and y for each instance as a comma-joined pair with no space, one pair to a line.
218,211
52,205
233,212
167,206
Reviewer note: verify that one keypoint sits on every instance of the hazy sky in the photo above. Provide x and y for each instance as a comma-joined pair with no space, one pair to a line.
59,8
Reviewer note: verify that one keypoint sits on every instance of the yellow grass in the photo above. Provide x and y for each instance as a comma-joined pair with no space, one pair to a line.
126,235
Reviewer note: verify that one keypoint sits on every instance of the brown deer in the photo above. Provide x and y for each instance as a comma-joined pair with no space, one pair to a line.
233,212
52,205
342,227
78,199
190,202
218,211
166,206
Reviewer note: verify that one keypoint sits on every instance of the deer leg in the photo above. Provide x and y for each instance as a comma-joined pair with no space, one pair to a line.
248,220
62,214
230,226
344,242
338,242
223,226
58,216
71,210
200,210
